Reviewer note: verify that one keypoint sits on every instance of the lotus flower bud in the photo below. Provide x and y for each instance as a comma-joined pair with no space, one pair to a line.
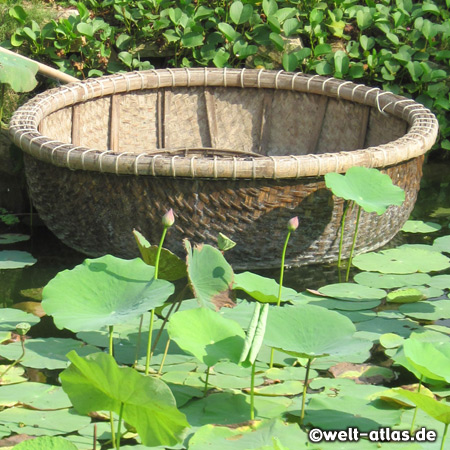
22,328
168,218
293,224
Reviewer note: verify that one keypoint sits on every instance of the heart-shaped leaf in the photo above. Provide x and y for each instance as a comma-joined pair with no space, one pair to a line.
210,275
97,383
368,188
207,335
103,292
309,331
240,13
19,73
263,289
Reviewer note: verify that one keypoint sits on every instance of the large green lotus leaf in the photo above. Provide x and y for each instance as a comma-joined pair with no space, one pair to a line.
46,443
431,359
242,313
210,275
428,292
356,316
227,408
14,375
280,389
439,309
438,410
97,383
391,340
171,267
184,394
392,281
402,260
368,188
10,317
19,73
207,335
263,289
15,259
229,382
380,325
352,292
341,412
343,305
35,395
309,331
440,281
42,423
405,296
419,226
102,292
260,436
12,238
333,387
45,353
288,373
442,244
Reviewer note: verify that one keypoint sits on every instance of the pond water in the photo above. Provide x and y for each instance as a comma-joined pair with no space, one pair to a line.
19,285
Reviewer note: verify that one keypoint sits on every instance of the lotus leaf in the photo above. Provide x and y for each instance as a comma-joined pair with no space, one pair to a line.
10,317
339,413
402,260
103,292
207,335
15,259
259,436
391,281
343,305
310,331
263,289
46,443
210,275
352,292
13,376
440,281
368,188
97,383
18,72
431,359
230,382
226,408
391,340
12,238
418,226
35,395
45,353
405,296
438,410
42,423
442,244
381,325
171,267
434,310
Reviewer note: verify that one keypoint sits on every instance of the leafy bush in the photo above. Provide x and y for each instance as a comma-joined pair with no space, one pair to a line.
400,45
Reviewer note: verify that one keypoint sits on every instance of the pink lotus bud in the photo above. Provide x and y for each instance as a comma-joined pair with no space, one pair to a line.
168,218
293,224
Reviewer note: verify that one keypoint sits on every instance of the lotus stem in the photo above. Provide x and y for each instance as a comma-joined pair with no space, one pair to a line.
353,244
164,357
341,240
292,226
110,347
155,277
149,342
206,381
444,436
415,410
94,444
113,433
252,392
22,342
138,345
119,426
305,388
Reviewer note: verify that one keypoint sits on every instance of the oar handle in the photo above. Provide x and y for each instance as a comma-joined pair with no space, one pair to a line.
44,69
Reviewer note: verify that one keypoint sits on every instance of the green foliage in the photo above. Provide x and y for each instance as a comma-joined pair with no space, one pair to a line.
97,383
18,73
103,292
400,46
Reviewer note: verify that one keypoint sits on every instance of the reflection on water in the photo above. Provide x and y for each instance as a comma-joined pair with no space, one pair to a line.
19,285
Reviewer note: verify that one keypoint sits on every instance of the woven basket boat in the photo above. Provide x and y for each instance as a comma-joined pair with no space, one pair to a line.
232,151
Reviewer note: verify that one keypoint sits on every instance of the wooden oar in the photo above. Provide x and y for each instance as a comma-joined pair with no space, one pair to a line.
44,69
